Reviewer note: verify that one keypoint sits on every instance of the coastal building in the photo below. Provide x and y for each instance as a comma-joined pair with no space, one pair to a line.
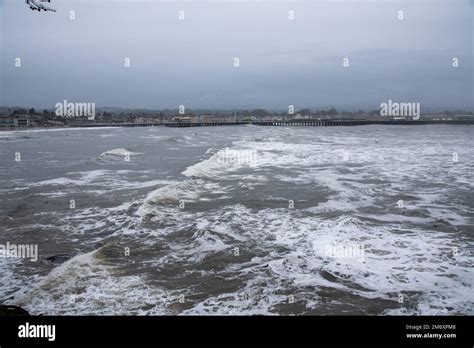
207,118
22,121
185,119
15,121
6,121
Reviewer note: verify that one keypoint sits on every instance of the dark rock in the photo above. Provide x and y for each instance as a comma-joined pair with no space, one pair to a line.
59,258
10,311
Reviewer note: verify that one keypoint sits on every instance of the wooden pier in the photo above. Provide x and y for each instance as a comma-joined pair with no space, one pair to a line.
335,123
288,123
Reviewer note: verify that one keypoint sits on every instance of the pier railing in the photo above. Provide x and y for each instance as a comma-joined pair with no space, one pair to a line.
276,123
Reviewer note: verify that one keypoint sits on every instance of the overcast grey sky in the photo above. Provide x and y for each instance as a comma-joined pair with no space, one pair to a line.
282,62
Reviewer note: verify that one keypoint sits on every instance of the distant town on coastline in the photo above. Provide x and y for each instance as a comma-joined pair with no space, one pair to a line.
12,117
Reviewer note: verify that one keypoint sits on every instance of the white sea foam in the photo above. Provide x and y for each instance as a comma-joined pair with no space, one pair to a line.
219,163
119,152
283,251
84,285
397,259
186,191
407,261
112,180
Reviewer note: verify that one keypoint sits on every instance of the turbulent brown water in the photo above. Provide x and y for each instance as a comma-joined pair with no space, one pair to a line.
240,220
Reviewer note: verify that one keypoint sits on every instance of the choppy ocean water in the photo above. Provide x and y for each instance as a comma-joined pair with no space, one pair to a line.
240,220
